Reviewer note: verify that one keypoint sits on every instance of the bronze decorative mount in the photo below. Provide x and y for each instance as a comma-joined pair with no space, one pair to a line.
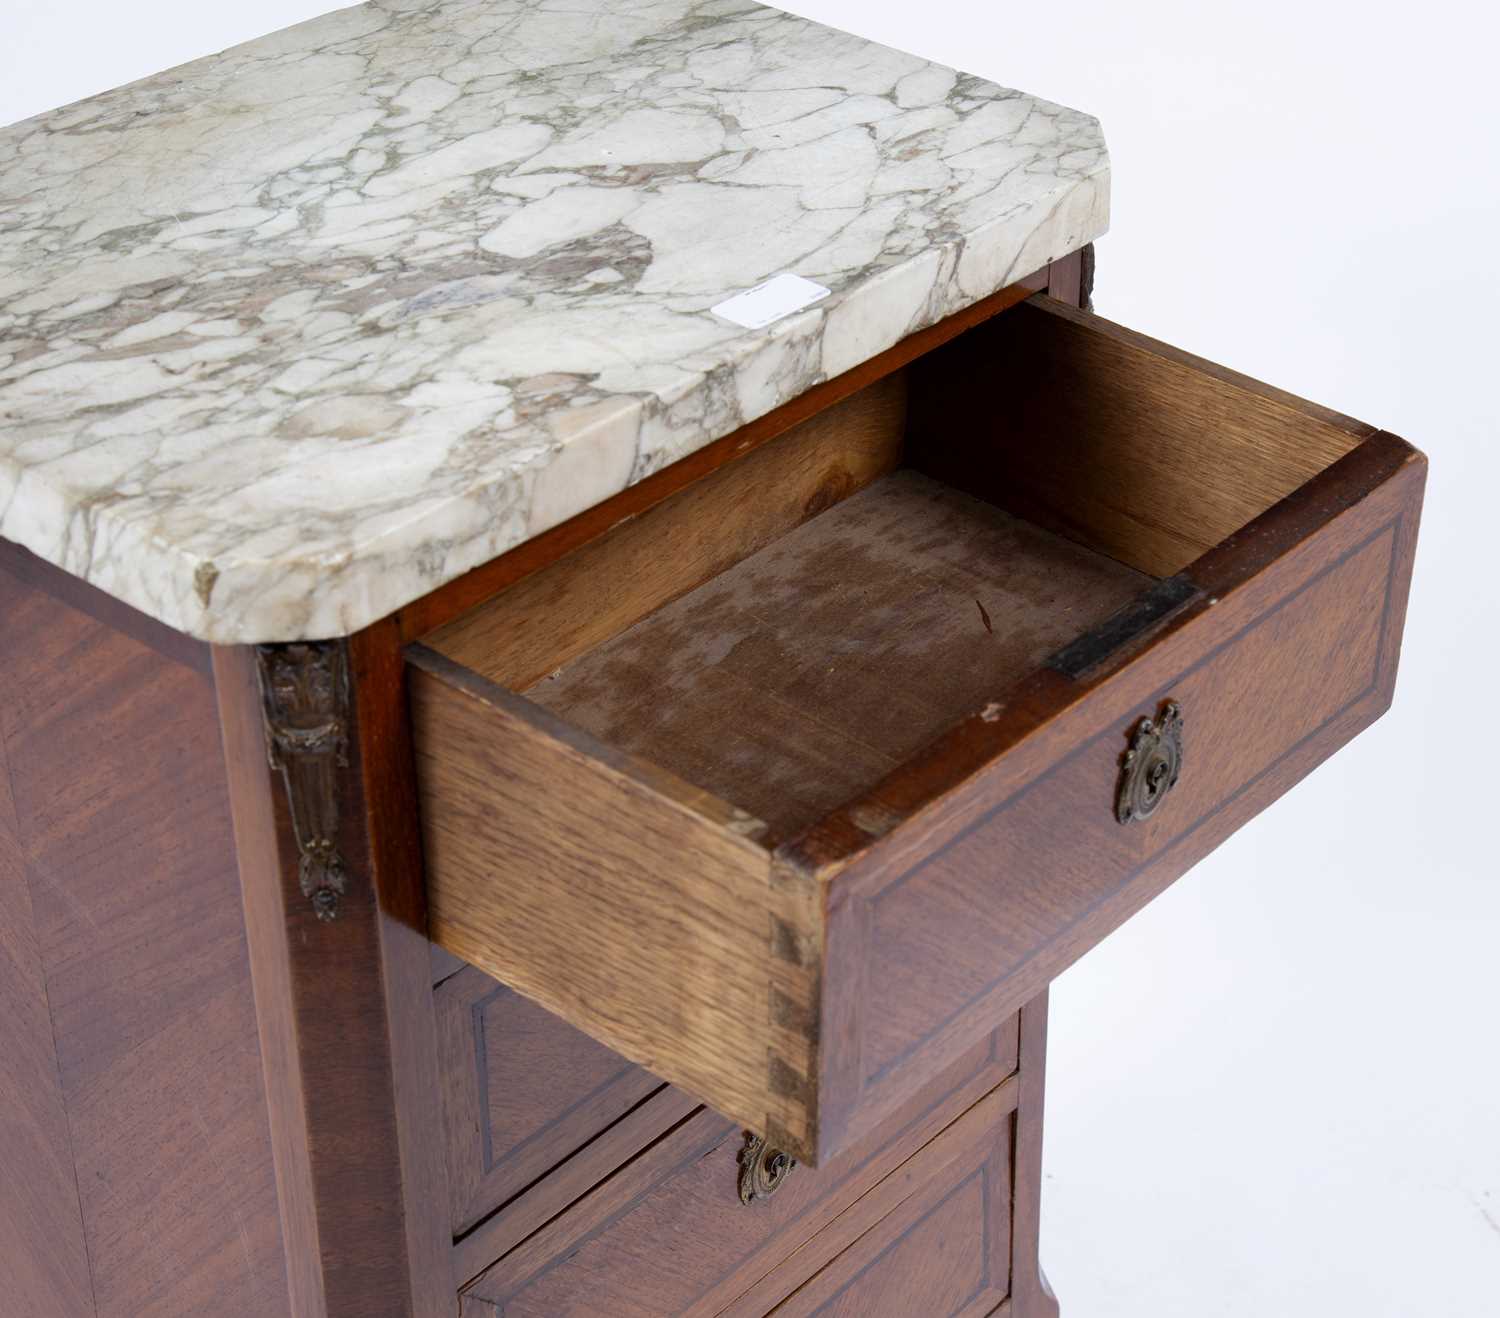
305,694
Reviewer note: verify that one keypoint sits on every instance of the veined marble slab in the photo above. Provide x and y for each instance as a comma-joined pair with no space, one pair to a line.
294,334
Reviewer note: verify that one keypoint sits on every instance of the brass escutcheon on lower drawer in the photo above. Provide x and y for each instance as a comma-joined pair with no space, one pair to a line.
762,1169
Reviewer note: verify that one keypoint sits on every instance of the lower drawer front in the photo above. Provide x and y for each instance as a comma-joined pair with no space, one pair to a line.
942,1252
669,1235
522,1092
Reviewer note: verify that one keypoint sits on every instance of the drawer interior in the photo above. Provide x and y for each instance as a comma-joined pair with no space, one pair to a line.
788,631
808,671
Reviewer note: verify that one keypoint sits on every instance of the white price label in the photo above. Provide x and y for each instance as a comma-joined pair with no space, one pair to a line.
768,302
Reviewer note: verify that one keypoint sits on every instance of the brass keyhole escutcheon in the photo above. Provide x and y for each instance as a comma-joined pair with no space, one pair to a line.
1151,766
762,1169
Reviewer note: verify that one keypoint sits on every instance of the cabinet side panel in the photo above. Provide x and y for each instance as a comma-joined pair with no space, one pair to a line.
122,827
44,1266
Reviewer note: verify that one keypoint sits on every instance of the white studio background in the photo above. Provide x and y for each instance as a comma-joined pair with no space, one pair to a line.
1277,1090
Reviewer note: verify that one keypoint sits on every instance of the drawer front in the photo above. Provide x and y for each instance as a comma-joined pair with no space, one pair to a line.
669,1234
1027,865
522,1092
942,1250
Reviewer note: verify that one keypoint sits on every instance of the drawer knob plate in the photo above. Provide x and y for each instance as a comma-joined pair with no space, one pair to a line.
762,1169
1151,766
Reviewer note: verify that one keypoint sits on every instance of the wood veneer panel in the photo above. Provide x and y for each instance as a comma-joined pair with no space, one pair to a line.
41,576
801,676
569,1182
123,824
522,1091
987,1123
44,1266
938,1266
1332,628
943,1250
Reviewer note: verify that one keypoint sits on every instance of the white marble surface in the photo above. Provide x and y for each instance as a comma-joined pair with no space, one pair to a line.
294,334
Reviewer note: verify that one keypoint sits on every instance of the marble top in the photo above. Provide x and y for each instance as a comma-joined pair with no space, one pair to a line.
294,334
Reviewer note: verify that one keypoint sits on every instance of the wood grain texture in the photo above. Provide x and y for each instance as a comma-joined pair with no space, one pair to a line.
345,1010
259,858
569,1182
1071,279
939,1232
1314,585
44,1265
604,587
632,905
1146,453
121,823
804,674
41,576
797,918
522,1092
668,1233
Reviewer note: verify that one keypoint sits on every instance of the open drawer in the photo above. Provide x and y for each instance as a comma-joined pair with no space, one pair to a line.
795,786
